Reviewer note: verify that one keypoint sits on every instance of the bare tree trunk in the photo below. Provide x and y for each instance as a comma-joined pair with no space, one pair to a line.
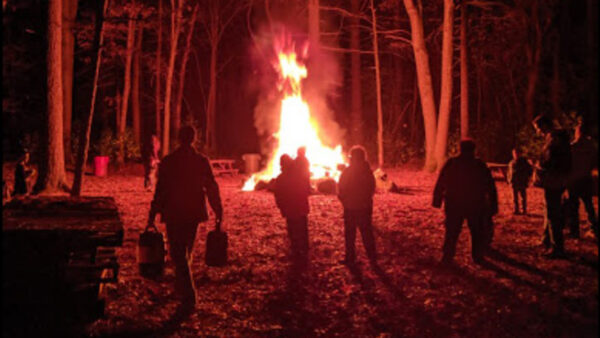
464,74
52,172
158,67
68,47
479,92
181,83
313,22
211,116
85,143
378,89
555,86
446,85
356,112
135,90
126,88
424,81
175,22
592,55
534,54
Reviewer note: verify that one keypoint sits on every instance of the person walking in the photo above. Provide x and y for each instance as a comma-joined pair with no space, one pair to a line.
185,179
519,176
553,171
291,190
467,190
356,188
581,183
151,163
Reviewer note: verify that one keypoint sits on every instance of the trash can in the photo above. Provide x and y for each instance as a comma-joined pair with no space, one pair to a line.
252,163
100,165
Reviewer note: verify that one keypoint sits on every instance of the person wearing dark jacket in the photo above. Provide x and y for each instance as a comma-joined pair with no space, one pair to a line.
24,175
553,171
185,179
355,190
466,187
519,175
581,183
291,190
301,162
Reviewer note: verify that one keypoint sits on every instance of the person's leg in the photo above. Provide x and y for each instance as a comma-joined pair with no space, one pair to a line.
350,235
180,238
586,195
516,199
366,232
572,211
303,237
453,227
524,199
475,223
291,224
555,211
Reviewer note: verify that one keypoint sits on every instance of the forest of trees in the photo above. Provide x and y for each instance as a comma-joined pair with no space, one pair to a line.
415,76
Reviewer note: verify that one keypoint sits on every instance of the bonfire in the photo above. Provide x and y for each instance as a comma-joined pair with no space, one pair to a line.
297,128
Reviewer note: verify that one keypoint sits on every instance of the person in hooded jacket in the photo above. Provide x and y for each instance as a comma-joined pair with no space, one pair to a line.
519,176
356,188
291,190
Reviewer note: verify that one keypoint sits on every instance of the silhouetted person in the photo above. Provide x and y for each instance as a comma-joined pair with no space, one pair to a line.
519,175
302,163
553,172
355,190
581,184
291,190
185,179
24,173
151,163
466,187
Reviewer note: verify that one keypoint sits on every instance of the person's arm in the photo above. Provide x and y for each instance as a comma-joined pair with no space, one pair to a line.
371,183
342,187
509,173
212,190
158,201
439,191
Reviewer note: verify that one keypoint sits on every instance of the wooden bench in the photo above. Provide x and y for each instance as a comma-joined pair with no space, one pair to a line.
499,169
223,166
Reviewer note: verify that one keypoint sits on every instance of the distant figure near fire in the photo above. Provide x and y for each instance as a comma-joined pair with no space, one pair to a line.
25,175
184,179
302,163
519,177
466,187
356,189
151,163
291,189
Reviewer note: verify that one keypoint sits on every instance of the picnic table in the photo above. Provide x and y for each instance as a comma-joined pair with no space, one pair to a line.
498,169
58,256
223,166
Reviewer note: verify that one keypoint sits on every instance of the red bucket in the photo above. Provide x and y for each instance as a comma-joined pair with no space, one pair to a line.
100,165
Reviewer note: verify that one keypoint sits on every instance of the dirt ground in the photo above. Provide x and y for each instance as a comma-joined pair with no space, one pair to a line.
519,294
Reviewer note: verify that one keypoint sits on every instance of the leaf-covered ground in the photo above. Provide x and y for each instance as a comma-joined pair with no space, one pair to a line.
518,294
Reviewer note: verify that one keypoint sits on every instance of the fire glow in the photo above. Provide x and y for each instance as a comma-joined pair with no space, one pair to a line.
297,128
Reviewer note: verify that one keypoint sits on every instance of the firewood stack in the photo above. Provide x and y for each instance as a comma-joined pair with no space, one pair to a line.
58,255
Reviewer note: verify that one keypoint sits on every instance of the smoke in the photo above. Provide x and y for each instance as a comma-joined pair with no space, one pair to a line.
323,80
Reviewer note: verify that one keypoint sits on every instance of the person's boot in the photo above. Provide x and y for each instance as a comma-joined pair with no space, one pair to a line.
555,254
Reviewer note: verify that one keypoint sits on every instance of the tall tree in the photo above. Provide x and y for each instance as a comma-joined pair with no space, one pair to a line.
464,74
122,125
52,170
356,94
85,143
377,88
182,73
424,81
135,85
158,67
217,16
176,16
534,56
68,47
446,84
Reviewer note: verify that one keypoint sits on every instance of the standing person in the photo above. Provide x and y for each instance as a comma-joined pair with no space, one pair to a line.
24,175
553,172
291,190
466,187
184,179
356,189
151,164
302,163
519,176
581,183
